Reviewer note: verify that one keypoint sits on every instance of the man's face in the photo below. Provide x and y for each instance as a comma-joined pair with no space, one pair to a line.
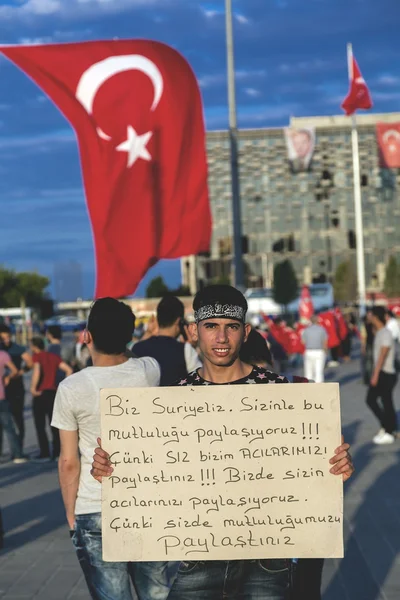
301,143
5,338
220,340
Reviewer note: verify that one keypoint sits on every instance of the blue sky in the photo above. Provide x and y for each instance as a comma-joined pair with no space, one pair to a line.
290,61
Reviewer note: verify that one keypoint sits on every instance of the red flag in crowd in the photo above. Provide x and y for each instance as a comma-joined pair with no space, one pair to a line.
388,138
358,95
137,113
341,324
328,321
306,307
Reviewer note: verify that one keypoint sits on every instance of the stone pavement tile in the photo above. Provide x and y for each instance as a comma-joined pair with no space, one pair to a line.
34,575
58,587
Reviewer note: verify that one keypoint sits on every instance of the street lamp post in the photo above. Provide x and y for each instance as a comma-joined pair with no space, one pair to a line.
233,135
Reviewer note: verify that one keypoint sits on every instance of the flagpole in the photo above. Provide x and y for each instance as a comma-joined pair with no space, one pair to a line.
233,135
357,200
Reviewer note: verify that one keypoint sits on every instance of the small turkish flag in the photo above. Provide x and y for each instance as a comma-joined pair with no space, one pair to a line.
388,138
358,96
136,109
306,307
328,321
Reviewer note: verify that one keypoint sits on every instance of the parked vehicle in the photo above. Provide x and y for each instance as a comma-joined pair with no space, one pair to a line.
260,300
66,322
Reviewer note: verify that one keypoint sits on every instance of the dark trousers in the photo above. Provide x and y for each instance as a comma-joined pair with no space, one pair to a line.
385,412
16,398
42,410
307,579
15,394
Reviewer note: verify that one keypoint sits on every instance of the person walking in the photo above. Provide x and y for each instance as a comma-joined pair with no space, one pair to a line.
383,379
15,390
176,359
220,329
46,366
77,415
6,420
315,340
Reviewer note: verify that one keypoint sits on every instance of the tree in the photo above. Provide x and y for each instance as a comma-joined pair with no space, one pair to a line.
286,288
156,288
22,288
392,278
345,282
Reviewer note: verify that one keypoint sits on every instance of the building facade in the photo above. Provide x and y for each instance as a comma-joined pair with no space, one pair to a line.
307,217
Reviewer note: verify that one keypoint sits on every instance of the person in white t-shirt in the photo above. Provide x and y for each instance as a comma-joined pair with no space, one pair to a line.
393,325
77,415
383,379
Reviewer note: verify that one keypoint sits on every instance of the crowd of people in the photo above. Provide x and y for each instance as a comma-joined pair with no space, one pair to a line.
220,347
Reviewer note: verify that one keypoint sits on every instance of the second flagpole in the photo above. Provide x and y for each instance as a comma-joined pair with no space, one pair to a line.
362,298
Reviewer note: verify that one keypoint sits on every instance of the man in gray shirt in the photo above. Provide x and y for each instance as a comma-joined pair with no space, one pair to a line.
315,340
383,379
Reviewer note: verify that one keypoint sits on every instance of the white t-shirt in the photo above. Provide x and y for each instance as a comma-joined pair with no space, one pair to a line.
77,408
384,339
192,359
394,328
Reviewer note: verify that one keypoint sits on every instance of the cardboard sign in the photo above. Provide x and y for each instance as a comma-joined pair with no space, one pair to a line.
221,473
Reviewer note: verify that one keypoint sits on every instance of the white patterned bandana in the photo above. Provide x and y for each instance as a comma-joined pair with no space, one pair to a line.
220,311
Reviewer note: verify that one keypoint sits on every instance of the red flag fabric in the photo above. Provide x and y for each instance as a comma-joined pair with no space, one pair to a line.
306,307
341,324
136,109
388,138
328,321
358,96
296,345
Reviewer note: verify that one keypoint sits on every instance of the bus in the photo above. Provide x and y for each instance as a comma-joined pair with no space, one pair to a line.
260,300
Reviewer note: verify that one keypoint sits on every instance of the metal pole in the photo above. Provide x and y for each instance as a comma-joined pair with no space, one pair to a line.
357,201
233,135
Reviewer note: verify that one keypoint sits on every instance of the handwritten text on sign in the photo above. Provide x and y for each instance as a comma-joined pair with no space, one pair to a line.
221,473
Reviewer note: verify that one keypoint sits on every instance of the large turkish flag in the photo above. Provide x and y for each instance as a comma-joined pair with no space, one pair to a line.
136,109
388,137
358,95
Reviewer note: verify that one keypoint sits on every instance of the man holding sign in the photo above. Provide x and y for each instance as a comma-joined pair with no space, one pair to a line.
220,328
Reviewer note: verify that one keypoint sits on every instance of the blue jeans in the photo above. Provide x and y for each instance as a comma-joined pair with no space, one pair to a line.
112,580
7,423
233,580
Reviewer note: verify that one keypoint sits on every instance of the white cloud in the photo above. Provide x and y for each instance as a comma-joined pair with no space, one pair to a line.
389,80
210,14
242,19
35,141
27,41
72,8
385,96
313,65
252,92
216,79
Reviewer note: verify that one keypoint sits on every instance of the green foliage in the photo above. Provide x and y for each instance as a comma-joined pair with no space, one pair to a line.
285,288
345,282
156,288
392,278
26,288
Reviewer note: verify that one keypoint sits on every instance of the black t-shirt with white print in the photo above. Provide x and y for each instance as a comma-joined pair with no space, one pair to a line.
258,375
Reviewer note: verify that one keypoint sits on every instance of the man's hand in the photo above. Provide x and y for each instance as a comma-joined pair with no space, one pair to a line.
343,464
374,380
101,465
35,393
6,380
71,521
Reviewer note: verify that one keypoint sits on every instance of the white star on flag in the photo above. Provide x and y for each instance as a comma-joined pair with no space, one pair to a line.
135,146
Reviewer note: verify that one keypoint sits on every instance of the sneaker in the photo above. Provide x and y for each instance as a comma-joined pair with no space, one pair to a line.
20,461
378,436
333,363
41,459
386,438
